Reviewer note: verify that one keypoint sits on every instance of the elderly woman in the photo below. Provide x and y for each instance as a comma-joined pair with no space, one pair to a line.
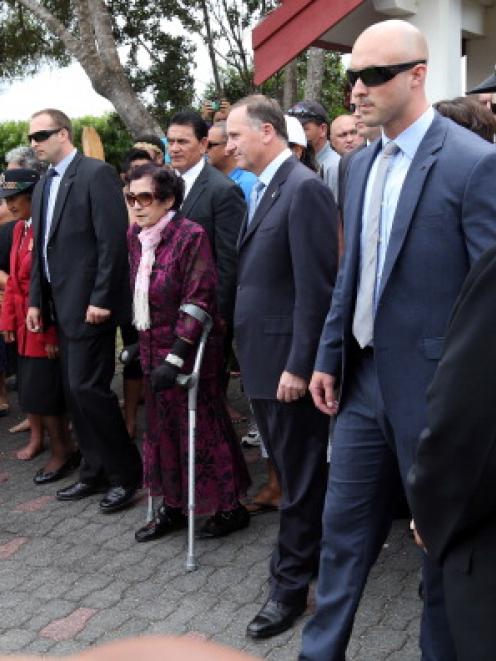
39,373
172,264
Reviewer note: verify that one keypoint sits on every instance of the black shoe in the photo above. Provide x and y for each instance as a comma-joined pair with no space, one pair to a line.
79,490
117,498
70,465
224,523
165,520
273,618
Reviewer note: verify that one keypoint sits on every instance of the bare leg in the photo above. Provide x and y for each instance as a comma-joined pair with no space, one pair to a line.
133,393
61,445
35,443
270,494
4,402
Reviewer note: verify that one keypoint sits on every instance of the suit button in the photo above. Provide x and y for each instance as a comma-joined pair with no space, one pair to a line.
238,287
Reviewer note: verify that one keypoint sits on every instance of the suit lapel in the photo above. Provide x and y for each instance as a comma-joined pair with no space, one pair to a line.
410,194
359,171
63,191
268,199
197,189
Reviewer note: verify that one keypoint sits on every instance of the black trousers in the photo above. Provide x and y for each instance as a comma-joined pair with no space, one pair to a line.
296,437
469,575
109,455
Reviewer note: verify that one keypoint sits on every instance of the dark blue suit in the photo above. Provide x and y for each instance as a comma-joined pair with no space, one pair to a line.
445,219
287,268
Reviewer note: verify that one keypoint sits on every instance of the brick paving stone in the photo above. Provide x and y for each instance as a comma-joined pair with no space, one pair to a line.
34,505
67,627
9,548
73,559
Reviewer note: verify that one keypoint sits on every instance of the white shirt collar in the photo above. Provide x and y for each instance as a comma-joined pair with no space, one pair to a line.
409,139
268,173
191,175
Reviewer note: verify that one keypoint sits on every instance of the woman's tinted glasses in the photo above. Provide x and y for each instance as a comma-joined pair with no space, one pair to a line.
143,199
373,76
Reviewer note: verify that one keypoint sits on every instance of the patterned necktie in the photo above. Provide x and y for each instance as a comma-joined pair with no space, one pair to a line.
363,320
255,197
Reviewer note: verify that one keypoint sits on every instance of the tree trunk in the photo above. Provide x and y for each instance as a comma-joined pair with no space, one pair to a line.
95,50
211,50
315,73
290,89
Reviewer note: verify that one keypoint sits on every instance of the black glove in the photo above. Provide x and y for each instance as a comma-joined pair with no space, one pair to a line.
129,353
164,376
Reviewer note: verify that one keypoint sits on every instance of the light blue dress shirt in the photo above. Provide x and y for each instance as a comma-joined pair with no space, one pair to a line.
60,169
408,142
267,175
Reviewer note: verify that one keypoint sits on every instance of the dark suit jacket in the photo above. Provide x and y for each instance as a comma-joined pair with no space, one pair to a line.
218,205
87,249
453,480
287,266
343,168
445,220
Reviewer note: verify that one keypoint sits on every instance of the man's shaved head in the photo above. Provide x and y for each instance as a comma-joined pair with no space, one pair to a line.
398,101
391,42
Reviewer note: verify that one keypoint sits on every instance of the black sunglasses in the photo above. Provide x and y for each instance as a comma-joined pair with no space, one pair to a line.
215,144
144,199
41,136
373,76
303,113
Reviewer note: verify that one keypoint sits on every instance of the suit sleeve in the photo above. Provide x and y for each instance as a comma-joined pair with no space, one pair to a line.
35,299
229,211
479,208
110,223
452,480
314,252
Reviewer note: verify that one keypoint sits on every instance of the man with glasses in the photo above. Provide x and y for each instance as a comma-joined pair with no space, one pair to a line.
315,123
79,280
226,163
419,210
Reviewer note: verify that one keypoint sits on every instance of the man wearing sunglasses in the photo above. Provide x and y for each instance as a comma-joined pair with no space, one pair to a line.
79,280
419,210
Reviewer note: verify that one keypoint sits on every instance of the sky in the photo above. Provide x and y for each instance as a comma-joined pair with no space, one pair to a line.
69,89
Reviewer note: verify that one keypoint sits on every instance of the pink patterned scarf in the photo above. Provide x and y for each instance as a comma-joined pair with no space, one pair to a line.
149,238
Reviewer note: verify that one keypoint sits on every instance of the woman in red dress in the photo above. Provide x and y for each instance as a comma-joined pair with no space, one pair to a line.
39,374
172,264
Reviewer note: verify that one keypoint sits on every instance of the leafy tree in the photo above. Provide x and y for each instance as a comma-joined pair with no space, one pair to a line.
35,32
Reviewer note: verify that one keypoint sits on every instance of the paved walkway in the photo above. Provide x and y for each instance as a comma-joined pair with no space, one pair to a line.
71,577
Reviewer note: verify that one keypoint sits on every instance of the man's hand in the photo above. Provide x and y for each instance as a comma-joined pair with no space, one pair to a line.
52,351
9,336
291,387
95,315
33,320
322,390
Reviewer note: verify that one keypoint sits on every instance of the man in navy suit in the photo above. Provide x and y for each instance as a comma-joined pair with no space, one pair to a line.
419,211
287,266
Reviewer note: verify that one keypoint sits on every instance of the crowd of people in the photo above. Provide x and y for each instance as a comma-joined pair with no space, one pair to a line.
329,257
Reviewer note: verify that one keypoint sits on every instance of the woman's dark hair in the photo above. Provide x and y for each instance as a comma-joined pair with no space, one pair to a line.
134,154
309,159
165,182
470,114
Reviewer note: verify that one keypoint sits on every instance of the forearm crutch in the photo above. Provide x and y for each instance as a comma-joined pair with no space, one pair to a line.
190,383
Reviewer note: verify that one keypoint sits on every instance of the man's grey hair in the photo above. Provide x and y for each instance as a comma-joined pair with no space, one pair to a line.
24,157
262,109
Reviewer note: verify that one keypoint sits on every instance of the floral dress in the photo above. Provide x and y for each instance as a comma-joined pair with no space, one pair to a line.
184,272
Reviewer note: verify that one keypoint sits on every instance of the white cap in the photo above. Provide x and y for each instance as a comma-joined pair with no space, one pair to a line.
296,134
